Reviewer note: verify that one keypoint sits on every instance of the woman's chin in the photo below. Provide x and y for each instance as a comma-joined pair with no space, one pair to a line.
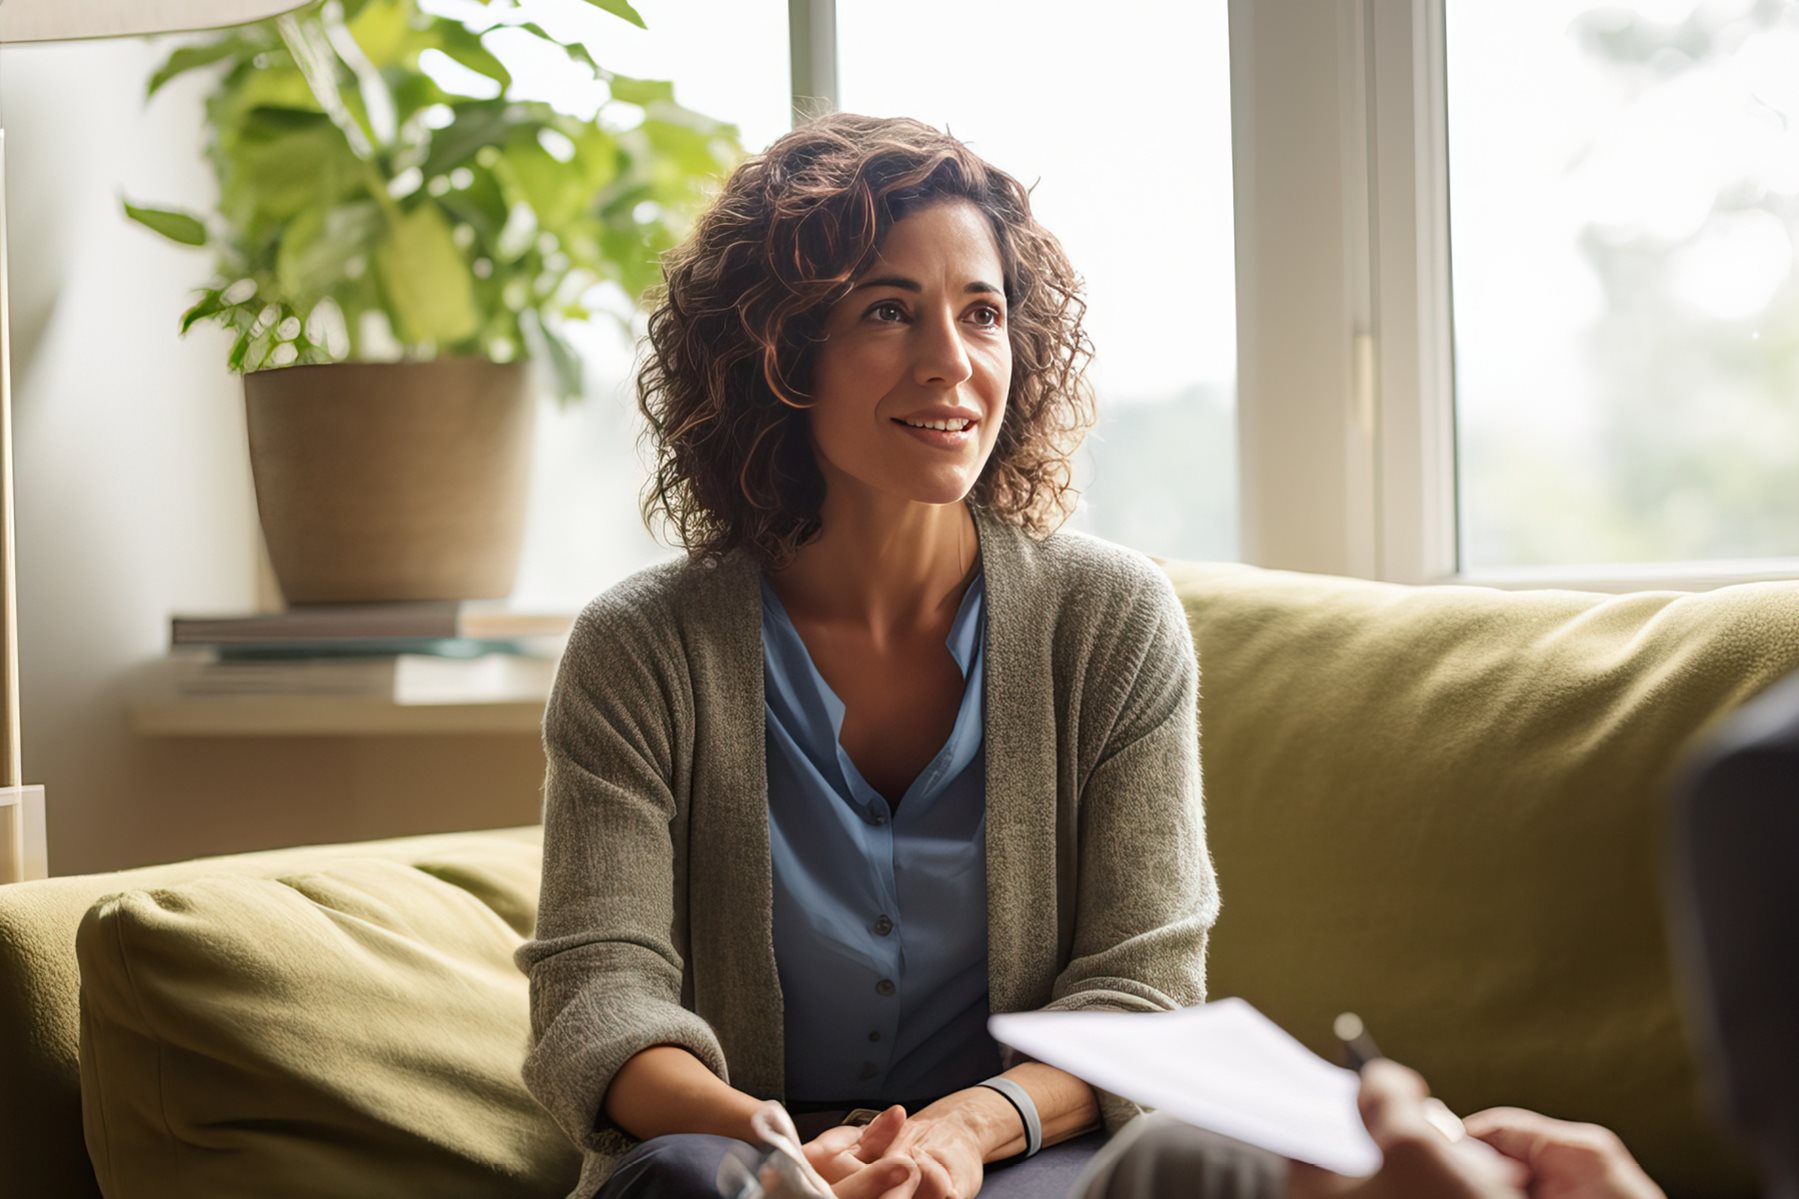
950,493
938,488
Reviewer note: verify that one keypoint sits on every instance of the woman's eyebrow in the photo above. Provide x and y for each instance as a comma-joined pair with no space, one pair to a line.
905,284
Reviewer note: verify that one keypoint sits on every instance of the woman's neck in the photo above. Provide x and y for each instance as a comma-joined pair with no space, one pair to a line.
888,574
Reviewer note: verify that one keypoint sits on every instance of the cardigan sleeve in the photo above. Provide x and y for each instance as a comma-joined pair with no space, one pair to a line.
605,977
1148,894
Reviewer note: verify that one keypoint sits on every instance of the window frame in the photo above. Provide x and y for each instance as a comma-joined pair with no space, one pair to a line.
1346,407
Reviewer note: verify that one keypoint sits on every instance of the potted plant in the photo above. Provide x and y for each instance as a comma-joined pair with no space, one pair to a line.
391,253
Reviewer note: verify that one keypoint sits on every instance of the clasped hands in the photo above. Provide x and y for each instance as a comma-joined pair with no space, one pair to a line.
932,1155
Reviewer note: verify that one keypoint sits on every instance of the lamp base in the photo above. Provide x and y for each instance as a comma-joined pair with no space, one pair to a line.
24,848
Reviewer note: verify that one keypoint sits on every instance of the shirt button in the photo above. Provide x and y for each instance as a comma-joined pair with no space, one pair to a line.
883,926
874,1034
884,987
877,818
869,1070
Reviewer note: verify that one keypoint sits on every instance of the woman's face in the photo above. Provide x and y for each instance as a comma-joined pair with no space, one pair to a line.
921,339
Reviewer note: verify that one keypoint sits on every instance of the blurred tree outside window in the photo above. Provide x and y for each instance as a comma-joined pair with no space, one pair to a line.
1624,206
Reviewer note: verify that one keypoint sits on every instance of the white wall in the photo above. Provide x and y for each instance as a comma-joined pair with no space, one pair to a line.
134,501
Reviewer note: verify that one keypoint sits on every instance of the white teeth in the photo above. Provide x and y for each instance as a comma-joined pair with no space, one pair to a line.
947,426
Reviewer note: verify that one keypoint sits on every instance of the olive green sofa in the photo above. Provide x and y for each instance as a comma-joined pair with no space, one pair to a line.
1438,806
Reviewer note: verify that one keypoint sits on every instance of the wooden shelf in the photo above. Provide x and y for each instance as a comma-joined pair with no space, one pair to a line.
511,704
329,716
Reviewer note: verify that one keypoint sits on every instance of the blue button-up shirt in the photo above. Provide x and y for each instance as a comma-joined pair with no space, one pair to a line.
880,914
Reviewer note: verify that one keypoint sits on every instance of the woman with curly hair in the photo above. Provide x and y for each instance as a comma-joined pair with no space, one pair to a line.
886,752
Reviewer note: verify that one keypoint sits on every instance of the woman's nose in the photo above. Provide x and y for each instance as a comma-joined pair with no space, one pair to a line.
941,356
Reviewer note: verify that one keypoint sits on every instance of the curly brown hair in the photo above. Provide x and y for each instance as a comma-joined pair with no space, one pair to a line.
744,300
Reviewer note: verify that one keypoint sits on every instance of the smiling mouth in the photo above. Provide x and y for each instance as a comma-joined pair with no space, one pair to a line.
936,427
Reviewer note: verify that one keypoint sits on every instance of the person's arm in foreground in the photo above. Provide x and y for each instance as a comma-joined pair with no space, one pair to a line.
1538,1157
1567,1161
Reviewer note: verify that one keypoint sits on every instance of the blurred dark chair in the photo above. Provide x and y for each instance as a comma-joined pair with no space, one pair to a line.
1733,858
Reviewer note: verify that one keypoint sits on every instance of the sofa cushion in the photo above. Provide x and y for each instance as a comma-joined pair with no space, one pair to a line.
1441,807
42,1153
353,1029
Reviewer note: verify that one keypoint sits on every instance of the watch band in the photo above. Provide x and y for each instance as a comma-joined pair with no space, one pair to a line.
1020,1099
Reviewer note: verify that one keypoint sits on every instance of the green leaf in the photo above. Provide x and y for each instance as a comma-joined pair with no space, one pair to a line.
619,8
687,118
575,50
180,227
546,346
317,247
278,85
626,249
680,146
380,30
466,47
640,91
579,52
191,58
596,157
271,120
209,304
478,123
531,175
518,235
425,277
481,205
286,160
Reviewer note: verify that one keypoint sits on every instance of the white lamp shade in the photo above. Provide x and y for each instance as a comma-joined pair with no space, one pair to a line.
68,20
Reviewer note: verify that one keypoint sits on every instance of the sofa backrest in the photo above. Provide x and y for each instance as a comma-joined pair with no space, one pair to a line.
42,1150
1443,808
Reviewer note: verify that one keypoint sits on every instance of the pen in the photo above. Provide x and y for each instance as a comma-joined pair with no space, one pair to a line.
1359,1049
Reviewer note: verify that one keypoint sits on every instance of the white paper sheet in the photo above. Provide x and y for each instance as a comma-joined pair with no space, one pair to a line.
1222,1066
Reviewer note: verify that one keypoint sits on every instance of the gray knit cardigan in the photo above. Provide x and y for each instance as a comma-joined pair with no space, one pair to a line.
655,918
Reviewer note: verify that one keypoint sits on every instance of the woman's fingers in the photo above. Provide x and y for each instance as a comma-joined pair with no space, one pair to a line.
832,1152
831,1142
879,1133
890,1178
934,1181
839,1152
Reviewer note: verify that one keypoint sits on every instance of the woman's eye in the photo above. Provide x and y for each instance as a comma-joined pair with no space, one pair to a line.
895,306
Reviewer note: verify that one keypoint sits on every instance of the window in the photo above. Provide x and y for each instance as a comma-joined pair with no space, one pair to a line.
1119,122
1624,207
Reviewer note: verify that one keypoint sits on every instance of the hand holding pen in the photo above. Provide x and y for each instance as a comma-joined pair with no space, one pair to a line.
1359,1049
1425,1152
1428,1151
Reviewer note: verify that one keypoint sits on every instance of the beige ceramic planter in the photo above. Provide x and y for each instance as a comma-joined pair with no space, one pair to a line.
392,480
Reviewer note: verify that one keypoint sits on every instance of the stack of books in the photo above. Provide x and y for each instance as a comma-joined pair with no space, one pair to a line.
428,652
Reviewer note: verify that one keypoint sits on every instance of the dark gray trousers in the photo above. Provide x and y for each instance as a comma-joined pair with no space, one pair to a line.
1156,1157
